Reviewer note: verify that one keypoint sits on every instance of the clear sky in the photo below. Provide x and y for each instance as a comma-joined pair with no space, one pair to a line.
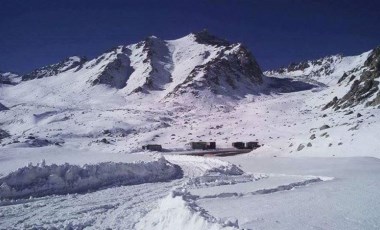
34,33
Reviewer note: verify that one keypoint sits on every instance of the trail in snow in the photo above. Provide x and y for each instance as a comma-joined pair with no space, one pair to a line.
168,205
115,208
180,208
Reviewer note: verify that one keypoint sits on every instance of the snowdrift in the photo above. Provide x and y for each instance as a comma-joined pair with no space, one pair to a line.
179,211
42,180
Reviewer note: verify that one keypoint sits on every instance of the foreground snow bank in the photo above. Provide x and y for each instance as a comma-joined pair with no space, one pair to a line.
179,211
42,180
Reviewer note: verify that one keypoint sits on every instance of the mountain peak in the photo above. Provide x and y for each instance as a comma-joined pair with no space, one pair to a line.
197,63
73,62
205,37
152,37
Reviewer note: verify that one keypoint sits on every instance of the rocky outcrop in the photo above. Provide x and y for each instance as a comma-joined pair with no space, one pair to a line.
3,107
3,134
72,63
117,70
157,57
234,67
363,90
315,68
204,37
9,78
198,61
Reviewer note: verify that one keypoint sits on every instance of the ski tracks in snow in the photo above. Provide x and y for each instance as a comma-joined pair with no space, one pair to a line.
168,205
179,210
115,208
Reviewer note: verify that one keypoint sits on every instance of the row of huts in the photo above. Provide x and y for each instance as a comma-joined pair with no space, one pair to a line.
201,145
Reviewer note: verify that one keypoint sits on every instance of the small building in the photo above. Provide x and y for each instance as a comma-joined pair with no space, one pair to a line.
152,147
247,145
238,145
252,145
211,145
203,145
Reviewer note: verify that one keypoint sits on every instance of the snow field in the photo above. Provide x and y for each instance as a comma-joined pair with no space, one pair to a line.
64,119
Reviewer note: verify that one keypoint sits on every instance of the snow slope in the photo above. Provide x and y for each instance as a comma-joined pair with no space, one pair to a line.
327,70
356,78
314,158
349,201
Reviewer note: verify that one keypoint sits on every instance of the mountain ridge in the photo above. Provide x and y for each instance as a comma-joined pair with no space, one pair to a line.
198,60
356,76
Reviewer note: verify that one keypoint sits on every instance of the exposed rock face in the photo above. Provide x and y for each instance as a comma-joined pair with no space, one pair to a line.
365,89
319,67
71,63
323,127
204,37
149,66
194,63
117,70
3,107
233,67
3,134
373,63
157,56
300,147
9,78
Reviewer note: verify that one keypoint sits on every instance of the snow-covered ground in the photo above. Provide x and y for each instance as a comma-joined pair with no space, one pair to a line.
349,201
252,193
316,169
282,192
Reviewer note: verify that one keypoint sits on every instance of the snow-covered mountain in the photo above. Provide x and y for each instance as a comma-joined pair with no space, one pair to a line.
78,126
194,63
356,78
198,72
364,84
72,63
315,68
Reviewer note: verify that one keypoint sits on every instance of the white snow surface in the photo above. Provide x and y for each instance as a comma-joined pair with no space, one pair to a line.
301,177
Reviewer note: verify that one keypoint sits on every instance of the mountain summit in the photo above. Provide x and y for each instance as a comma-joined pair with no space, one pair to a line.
198,62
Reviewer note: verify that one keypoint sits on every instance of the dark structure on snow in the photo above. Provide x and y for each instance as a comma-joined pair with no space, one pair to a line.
152,147
203,145
252,145
238,145
247,145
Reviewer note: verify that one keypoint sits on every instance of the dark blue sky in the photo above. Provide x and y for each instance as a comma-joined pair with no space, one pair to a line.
34,33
